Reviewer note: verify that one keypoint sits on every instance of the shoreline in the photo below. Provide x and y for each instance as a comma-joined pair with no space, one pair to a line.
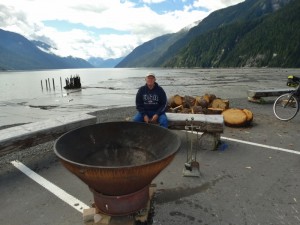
117,88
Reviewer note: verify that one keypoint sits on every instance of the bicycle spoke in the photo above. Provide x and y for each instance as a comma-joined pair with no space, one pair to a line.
285,107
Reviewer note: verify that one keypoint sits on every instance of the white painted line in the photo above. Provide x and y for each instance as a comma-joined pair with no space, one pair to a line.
254,144
261,145
60,193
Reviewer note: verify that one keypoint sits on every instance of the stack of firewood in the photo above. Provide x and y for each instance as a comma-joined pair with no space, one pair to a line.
206,104
210,104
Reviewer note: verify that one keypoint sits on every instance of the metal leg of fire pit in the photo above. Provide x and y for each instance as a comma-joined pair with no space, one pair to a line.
93,216
191,167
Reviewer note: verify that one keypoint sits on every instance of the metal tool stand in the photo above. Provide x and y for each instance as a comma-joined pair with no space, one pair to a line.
191,167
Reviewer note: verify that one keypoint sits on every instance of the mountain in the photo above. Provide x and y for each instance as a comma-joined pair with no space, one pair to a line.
146,54
268,41
218,27
42,46
18,53
107,63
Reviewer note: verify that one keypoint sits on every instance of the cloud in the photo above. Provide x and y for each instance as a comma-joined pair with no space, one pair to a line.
135,22
153,1
15,20
213,5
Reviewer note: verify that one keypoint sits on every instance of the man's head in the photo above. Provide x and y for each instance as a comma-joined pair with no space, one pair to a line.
150,80
150,75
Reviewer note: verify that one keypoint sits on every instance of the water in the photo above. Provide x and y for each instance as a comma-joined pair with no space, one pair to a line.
23,100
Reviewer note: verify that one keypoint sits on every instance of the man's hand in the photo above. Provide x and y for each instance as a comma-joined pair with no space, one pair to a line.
146,119
154,118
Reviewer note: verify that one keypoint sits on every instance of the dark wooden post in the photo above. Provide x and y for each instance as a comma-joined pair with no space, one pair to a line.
53,84
49,84
60,84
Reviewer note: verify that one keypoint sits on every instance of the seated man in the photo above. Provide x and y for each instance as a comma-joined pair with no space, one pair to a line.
151,103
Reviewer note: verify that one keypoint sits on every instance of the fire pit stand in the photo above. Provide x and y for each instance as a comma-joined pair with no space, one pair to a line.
94,216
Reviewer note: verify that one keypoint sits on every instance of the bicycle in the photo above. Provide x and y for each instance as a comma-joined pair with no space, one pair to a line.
286,106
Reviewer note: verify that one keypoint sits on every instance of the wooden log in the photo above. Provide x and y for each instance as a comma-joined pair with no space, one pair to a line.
220,103
201,101
175,101
186,110
189,101
207,98
210,97
206,123
197,109
171,102
178,100
197,99
249,115
235,117
27,135
209,141
143,215
49,84
214,110
60,84
46,82
176,109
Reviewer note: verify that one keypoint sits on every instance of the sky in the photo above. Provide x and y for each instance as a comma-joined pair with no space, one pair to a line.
101,28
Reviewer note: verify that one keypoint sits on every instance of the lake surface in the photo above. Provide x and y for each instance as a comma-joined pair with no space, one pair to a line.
23,99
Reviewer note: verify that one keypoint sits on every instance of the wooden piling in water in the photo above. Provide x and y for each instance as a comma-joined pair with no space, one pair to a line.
53,84
60,84
49,84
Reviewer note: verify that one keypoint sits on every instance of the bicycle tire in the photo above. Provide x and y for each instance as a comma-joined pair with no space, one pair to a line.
286,107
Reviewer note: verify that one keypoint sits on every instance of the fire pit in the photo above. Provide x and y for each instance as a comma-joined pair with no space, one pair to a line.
118,161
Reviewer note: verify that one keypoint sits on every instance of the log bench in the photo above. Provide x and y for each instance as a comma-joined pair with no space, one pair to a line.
205,123
257,95
27,135
211,127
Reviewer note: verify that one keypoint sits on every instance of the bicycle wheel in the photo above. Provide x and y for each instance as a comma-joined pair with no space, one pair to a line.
286,107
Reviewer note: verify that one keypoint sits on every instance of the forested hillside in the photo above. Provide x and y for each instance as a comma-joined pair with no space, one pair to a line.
251,33
146,54
271,41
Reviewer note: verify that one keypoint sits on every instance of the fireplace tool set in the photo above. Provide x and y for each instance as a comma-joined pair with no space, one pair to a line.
191,167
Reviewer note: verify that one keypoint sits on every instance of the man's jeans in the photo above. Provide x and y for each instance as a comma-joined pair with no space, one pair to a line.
162,119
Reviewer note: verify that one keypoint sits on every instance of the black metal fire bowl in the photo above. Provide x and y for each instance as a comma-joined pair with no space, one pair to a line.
117,158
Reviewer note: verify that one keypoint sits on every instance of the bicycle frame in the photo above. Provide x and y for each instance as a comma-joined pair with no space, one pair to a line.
295,93
286,106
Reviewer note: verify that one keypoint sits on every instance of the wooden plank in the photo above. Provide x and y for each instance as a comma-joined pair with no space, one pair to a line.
205,123
24,136
143,215
268,92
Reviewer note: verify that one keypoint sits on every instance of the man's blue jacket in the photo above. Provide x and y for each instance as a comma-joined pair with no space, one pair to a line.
151,100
